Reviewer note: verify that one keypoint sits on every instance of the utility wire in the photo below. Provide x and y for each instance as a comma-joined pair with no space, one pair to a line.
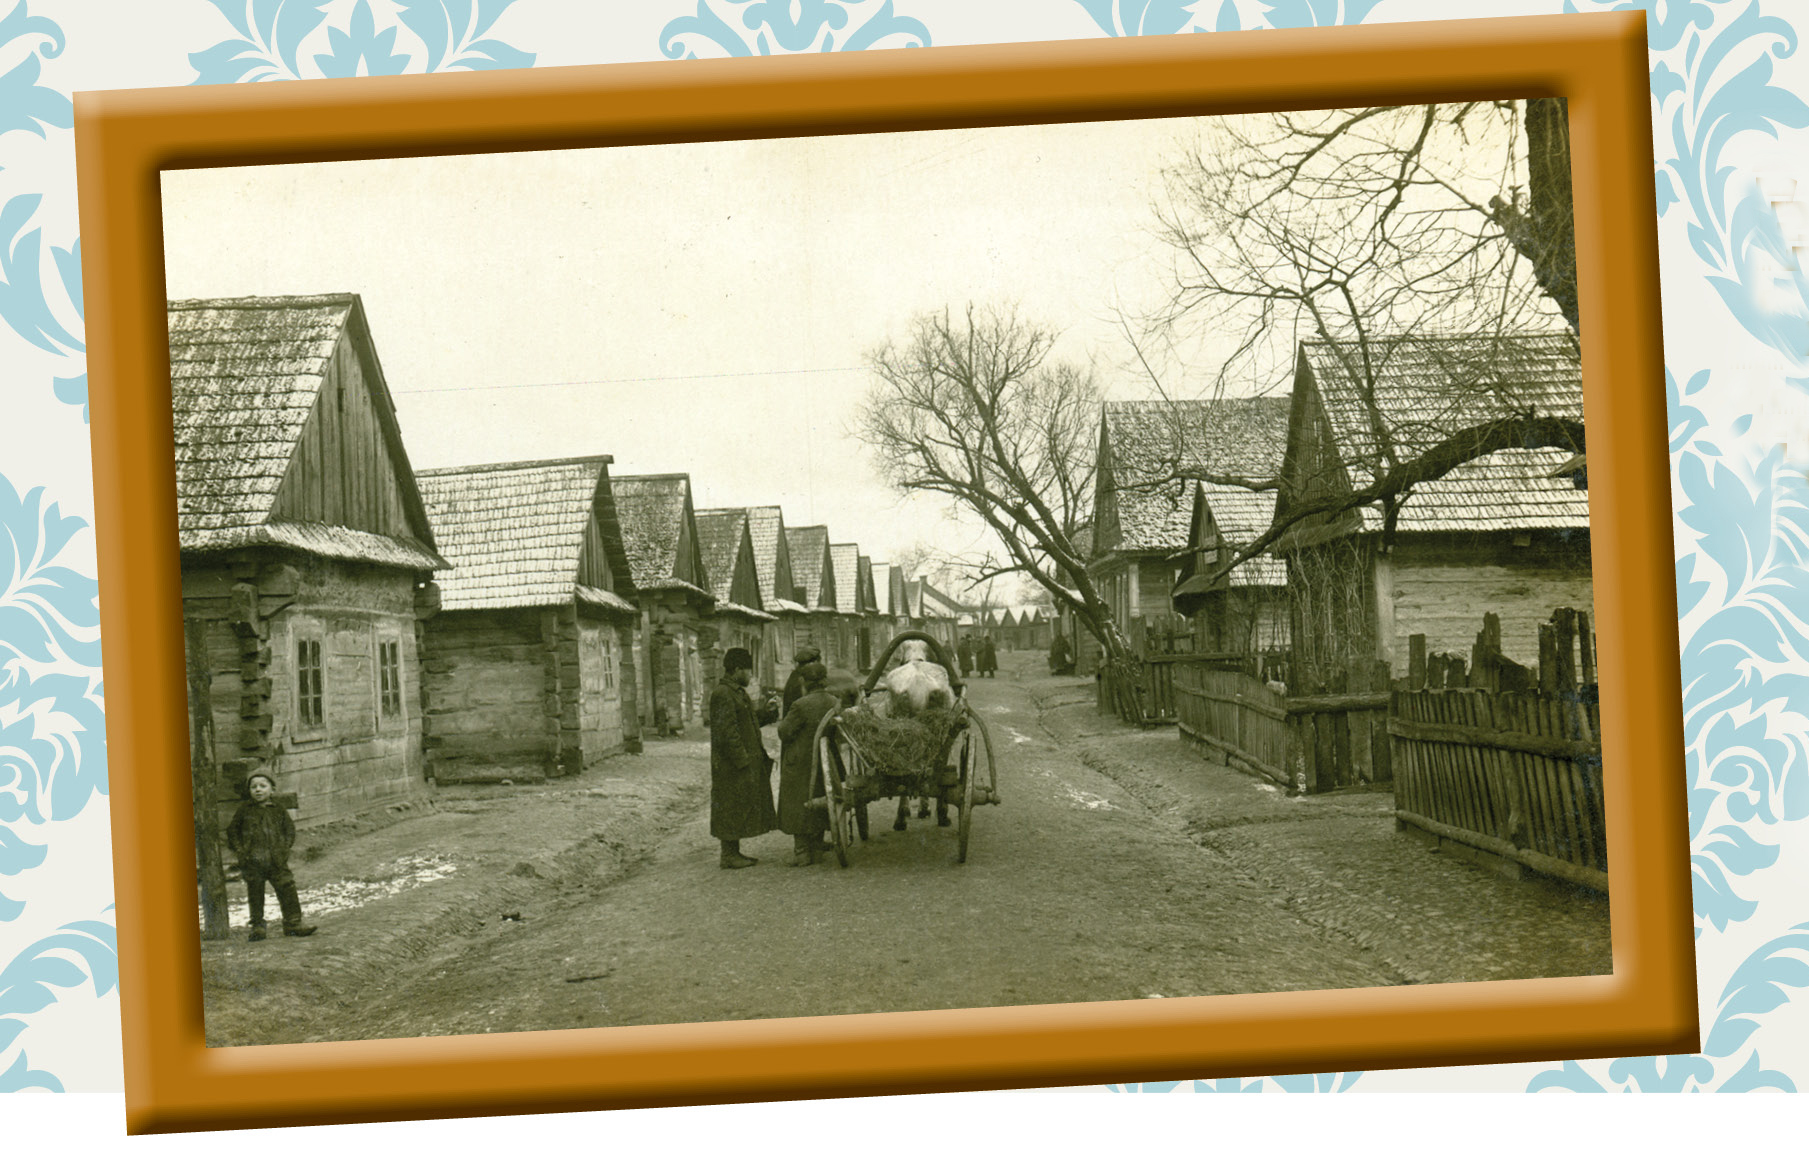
617,381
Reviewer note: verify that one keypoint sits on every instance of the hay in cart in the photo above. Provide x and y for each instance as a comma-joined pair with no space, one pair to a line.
901,746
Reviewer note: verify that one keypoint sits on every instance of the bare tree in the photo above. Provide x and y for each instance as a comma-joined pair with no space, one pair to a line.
1372,230
970,406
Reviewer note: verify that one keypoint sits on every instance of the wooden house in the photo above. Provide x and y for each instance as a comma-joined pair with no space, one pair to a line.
876,624
529,667
853,643
1066,620
1143,504
673,590
306,552
741,616
1507,533
814,572
778,589
1033,629
1245,611
939,614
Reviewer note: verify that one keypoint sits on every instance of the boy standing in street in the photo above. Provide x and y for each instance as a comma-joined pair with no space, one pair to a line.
261,834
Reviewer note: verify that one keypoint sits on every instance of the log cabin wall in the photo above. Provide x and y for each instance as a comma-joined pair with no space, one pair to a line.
486,683
672,642
362,752
1439,584
1156,580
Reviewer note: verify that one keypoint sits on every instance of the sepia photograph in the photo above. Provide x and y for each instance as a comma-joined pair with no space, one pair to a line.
886,572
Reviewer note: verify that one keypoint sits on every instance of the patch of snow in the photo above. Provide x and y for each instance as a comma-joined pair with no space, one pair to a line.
398,876
1089,801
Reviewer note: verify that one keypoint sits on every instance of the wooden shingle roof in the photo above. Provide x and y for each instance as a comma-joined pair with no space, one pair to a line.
719,540
654,512
245,377
1149,508
723,538
1426,389
766,530
846,559
515,532
809,548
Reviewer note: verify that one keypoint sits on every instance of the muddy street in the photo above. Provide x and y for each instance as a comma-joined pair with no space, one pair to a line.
598,901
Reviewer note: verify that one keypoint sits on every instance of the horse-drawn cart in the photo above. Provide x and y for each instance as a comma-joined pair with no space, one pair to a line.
859,756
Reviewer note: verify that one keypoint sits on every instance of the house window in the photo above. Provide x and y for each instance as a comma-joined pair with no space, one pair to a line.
609,662
389,677
310,688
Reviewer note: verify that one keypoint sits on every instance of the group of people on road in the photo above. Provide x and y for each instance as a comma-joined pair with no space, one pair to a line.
978,656
741,792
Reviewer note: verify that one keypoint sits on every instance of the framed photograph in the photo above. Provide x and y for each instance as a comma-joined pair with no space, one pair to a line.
548,519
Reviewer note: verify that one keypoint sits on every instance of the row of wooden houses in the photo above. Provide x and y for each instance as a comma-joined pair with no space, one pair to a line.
369,629
1506,533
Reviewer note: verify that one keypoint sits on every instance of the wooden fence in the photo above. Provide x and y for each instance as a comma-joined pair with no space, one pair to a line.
1311,743
1146,692
1505,759
1487,754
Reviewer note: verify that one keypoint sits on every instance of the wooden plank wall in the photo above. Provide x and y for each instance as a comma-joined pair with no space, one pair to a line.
486,676
341,472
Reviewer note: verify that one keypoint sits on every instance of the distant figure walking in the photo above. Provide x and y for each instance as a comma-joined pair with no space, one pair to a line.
741,772
988,660
964,654
261,834
1061,655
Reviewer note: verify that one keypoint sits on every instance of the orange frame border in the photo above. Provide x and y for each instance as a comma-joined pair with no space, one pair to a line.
175,1083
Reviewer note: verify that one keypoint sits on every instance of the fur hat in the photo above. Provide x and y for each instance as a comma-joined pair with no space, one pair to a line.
737,659
814,674
808,653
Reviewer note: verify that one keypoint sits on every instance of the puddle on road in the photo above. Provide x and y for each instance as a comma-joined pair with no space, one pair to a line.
1089,801
398,876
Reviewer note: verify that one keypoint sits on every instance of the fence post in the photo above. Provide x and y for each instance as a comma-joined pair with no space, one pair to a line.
1548,658
1586,649
1565,621
1416,662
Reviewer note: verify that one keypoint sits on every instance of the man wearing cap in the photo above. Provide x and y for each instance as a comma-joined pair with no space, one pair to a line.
794,685
741,779
797,738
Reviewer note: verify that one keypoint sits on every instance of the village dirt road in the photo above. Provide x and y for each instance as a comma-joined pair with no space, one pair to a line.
1119,866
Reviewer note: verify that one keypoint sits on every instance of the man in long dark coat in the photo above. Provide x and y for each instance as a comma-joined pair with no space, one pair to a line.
797,736
741,772
794,685
986,660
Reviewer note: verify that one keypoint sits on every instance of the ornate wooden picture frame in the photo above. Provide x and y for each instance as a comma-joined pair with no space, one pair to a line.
125,139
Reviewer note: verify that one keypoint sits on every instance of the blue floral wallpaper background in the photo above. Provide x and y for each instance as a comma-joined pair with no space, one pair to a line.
1732,177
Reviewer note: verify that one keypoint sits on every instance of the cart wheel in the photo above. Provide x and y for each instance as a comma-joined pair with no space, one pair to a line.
976,756
827,768
841,818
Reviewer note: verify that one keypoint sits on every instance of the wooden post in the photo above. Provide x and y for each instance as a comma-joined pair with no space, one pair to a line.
1548,659
1565,622
1586,649
204,782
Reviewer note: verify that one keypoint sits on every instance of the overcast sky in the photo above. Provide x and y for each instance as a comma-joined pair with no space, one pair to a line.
703,308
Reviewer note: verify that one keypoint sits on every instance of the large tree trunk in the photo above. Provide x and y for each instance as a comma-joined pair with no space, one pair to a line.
1544,228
